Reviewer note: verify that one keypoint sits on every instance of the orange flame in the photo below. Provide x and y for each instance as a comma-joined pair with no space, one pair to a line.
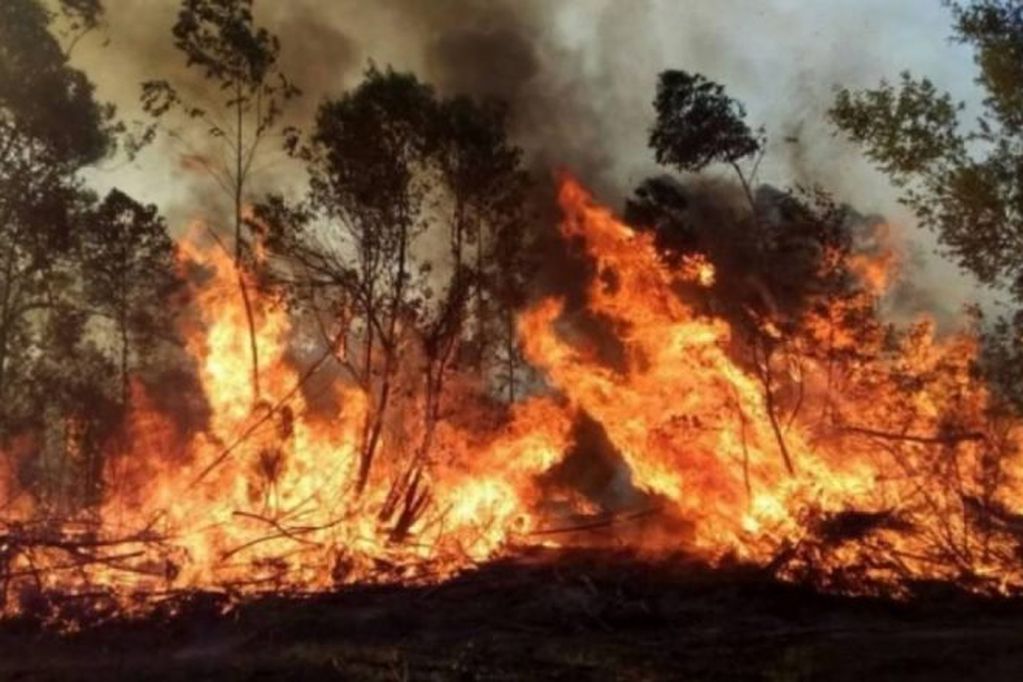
264,497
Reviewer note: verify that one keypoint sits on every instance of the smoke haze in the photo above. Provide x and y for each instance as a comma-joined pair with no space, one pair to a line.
579,77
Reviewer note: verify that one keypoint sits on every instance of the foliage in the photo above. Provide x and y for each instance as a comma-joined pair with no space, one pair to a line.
782,268
128,270
50,127
963,182
698,124
43,100
393,167
60,253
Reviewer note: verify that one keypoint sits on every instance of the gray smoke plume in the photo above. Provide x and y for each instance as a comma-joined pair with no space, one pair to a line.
579,77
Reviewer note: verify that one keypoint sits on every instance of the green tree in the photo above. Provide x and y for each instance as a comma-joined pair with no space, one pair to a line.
778,264
698,124
963,181
488,190
363,160
55,373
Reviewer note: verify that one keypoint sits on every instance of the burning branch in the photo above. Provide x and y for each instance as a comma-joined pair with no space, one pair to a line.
952,438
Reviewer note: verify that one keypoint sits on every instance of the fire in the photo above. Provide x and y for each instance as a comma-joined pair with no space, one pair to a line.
872,465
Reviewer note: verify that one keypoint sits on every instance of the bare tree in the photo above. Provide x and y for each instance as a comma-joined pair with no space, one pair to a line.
390,164
220,38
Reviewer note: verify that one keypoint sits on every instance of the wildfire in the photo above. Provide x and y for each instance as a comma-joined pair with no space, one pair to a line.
862,471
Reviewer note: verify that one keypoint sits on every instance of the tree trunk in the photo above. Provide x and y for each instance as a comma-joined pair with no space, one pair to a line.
125,384
389,345
481,313
765,377
238,188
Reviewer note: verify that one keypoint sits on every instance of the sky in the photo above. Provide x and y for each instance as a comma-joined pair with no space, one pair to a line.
581,76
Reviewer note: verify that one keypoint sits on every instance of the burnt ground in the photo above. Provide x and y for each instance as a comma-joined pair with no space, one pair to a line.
574,616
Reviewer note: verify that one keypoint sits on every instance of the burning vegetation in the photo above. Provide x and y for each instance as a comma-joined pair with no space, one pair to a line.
406,371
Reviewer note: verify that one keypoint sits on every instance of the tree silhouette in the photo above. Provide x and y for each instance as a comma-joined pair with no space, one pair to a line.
777,266
963,182
221,39
391,166
50,127
698,124
128,261
482,172
362,160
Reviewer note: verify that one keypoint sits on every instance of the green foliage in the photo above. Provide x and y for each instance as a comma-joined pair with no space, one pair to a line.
219,36
698,124
66,261
365,152
1001,361
907,129
995,30
50,127
963,182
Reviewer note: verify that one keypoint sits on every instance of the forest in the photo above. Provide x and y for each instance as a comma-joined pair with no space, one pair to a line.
440,356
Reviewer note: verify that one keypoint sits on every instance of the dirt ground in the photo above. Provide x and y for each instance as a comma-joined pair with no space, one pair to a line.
574,616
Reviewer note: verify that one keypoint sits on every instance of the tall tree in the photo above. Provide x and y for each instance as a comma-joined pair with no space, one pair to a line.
50,127
962,178
128,261
222,40
392,167
963,181
482,172
698,124
364,160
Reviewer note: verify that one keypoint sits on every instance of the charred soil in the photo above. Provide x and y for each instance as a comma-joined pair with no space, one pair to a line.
579,615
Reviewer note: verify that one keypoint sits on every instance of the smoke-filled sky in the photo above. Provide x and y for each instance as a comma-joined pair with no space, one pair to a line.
580,76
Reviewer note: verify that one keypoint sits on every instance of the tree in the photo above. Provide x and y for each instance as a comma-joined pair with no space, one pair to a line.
220,38
963,182
391,167
698,124
482,172
363,160
782,269
50,127
128,261
73,414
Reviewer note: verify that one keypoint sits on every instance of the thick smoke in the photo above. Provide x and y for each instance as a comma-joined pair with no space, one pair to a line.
579,78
